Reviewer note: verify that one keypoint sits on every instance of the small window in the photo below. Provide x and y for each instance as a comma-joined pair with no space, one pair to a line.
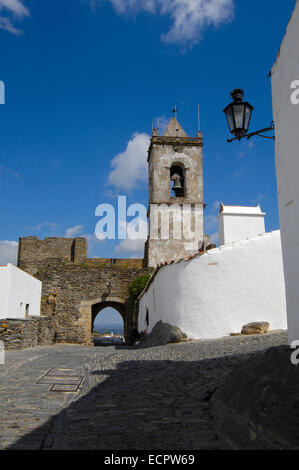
27,311
147,317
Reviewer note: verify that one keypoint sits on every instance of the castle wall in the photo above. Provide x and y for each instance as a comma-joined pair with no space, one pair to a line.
67,285
32,251
216,293
114,262
73,284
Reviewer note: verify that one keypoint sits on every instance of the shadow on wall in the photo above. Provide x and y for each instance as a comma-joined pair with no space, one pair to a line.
140,405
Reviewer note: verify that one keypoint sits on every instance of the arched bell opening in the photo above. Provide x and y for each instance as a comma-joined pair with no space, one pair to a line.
177,180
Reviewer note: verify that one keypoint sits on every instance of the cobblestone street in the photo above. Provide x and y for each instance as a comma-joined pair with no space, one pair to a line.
118,397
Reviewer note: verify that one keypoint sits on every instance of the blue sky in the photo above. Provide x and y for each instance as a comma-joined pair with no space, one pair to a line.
85,78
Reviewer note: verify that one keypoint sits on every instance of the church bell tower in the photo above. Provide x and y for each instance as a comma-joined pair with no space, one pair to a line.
175,210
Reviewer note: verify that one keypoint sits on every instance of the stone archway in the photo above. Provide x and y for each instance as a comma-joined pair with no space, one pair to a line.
97,308
89,309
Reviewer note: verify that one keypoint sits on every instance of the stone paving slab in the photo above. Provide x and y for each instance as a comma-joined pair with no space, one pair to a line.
130,397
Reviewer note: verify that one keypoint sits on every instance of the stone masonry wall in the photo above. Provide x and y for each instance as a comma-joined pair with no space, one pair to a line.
76,288
32,251
67,285
21,334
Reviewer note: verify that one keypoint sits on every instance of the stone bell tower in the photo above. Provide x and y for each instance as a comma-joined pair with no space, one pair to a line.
175,195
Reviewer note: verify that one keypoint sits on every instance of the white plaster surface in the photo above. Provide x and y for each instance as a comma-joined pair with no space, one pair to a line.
215,294
238,222
285,90
18,289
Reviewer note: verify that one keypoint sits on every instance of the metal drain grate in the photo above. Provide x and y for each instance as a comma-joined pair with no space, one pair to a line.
63,380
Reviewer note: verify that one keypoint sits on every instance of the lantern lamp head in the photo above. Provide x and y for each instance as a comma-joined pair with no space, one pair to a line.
238,114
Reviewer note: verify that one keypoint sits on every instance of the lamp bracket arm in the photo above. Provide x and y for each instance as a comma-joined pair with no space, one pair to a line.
258,133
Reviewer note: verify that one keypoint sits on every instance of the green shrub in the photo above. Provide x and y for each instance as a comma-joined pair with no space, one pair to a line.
137,286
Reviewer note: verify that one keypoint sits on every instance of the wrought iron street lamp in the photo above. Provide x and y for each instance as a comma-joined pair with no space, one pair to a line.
238,115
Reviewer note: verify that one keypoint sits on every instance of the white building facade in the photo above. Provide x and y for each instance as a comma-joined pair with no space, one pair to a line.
285,90
214,294
238,222
20,293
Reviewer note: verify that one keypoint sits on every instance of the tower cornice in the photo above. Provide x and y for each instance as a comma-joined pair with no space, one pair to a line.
175,141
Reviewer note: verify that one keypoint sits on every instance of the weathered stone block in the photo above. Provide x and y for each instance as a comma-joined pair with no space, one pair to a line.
256,328
163,333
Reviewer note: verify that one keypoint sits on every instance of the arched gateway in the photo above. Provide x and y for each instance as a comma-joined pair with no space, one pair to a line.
76,288
89,310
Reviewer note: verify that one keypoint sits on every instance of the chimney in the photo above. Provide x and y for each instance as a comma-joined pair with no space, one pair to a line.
239,222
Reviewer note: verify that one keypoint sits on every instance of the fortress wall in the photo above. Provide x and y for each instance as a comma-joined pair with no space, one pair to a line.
32,251
69,279
79,250
115,262
66,285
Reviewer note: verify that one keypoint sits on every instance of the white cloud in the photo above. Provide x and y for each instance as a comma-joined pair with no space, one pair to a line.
73,231
137,232
8,171
211,225
189,17
214,238
216,205
130,166
161,123
51,225
134,247
259,199
15,8
238,173
92,242
8,252
210,222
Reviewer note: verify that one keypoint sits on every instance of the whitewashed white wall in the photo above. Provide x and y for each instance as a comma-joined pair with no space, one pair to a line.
237,222
285,90
215,294
17,288
4,290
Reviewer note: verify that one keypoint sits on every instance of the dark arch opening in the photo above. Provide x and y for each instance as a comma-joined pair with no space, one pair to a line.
107,323
177,177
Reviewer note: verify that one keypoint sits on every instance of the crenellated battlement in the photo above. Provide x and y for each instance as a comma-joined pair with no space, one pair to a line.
32,251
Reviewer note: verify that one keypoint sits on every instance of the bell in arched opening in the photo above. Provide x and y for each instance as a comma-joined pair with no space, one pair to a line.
177,177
